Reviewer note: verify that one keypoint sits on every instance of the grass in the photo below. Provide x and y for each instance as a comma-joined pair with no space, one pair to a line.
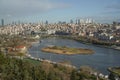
35,62
117,71
67,50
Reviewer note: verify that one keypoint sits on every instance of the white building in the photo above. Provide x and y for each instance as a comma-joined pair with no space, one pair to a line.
51,31
117,27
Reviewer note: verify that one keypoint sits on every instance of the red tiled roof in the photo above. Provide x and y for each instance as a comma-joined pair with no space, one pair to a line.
20,47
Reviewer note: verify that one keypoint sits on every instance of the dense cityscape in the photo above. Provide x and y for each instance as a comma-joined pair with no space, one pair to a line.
59,40
108,34
105,32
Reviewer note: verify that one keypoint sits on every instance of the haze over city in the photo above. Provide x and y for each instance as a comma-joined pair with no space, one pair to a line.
103,11
59,40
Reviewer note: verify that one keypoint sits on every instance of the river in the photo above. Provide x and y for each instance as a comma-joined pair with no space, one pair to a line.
100,60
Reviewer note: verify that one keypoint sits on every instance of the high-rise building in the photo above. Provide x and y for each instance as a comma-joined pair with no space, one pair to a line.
78,21
89,21
71,21
46,22
2,22
82,21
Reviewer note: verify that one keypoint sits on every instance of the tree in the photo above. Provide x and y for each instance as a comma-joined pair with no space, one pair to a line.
74,75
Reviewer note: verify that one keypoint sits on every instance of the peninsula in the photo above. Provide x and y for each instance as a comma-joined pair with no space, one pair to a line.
66,50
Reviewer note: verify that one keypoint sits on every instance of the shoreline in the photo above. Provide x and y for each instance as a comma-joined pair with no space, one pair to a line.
45,60
87,43
67,38
49,61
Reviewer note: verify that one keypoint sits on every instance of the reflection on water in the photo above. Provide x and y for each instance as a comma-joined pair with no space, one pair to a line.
101,60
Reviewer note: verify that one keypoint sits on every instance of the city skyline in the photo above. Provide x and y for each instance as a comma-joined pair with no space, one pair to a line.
104,11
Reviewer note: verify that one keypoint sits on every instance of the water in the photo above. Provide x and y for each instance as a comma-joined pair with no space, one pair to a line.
101,60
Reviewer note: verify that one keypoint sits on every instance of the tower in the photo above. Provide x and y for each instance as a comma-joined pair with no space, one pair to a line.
78,21
71,21
46,22
2,22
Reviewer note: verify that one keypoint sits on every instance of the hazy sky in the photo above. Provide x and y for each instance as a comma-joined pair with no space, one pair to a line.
63,10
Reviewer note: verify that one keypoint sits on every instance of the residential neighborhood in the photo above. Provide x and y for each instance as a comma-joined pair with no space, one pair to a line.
104,32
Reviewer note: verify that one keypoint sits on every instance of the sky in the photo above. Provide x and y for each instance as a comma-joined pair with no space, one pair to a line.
103,11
